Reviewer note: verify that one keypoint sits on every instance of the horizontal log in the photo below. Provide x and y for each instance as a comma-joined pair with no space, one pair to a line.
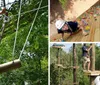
92,73
60,65
10,65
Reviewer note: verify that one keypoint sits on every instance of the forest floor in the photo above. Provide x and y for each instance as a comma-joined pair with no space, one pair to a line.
89,12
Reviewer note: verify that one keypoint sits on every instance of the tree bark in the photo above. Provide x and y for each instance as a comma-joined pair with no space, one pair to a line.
92,65
74,64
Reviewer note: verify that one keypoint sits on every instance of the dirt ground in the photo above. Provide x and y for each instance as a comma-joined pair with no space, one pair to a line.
77,9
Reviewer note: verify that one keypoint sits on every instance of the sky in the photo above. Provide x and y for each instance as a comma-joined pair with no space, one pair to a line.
67,46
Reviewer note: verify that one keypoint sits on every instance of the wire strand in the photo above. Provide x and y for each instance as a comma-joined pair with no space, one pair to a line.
30,10
30,29
13,54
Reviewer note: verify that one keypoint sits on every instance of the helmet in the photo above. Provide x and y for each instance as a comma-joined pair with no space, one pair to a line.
59,24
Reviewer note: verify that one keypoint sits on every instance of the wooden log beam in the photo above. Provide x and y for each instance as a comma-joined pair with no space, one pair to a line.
92,73
93,58
10,65
74,64
92,65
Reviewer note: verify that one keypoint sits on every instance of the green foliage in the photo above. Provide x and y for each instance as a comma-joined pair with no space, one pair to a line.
34,60
60,75
97,58
63,3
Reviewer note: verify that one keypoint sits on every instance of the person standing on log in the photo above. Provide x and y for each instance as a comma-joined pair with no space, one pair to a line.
86,57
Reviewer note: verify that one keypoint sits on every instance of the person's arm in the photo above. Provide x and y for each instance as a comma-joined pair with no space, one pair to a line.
90,48
62,36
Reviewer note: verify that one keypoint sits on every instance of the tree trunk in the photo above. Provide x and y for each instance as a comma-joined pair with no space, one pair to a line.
92,65
74,64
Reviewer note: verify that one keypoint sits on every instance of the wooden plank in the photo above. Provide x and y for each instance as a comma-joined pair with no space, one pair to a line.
61,66
10,65
92,73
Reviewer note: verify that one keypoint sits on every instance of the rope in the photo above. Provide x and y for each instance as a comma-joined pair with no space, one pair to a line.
31,10
17,29
30,29
2,30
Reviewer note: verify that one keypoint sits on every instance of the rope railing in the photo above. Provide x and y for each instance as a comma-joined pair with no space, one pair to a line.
19,14
30,29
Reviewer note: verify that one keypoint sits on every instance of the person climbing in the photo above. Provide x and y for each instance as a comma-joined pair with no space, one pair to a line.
86,57
3,11
68,27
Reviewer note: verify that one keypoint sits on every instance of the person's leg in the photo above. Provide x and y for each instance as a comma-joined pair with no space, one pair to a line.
88,66
84,63
88,60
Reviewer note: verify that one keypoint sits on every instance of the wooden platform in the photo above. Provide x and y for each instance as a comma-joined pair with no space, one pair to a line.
92,73
93,18
58,45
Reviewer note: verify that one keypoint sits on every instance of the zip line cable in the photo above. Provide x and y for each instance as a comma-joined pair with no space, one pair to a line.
30,29
17,29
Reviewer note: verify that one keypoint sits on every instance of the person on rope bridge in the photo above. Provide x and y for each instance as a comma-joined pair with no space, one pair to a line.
86,57
68,27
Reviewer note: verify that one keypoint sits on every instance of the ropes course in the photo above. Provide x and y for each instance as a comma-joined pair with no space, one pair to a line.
90,71
17,63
